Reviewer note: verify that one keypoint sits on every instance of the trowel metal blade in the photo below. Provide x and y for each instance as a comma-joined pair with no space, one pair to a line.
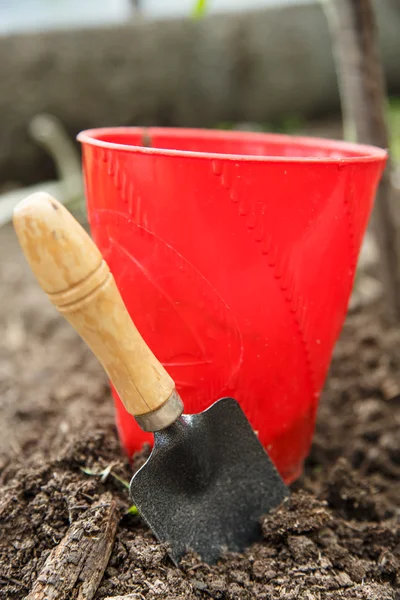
206,483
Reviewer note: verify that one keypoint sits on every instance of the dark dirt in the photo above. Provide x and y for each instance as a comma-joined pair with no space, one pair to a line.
337,537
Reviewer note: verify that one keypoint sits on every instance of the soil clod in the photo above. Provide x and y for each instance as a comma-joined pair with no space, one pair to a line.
337,537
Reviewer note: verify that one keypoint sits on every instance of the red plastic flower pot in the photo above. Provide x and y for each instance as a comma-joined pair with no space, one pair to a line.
235,254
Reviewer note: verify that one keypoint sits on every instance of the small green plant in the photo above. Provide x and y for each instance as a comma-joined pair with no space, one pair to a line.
132,510
103,477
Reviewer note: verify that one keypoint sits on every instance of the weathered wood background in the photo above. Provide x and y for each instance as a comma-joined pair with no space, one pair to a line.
255,66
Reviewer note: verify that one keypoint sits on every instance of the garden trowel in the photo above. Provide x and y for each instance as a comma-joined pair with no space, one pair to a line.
208,480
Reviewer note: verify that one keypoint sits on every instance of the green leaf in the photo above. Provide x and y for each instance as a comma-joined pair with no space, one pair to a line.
199,9
123,481
133,511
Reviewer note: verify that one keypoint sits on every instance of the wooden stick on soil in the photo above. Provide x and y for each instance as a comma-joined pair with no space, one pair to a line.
76,566
363,98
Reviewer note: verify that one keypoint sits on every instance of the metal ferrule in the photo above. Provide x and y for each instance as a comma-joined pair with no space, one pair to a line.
164,416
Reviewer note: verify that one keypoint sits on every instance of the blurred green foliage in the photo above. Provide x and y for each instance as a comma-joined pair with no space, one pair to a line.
290,124
199,9
295,124
394,127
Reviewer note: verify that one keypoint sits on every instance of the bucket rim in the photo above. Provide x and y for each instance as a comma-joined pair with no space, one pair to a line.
352,152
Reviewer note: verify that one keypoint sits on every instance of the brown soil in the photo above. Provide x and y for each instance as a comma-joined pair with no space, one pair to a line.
337,537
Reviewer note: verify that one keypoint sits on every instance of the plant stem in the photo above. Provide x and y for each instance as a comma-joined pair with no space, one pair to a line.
363,97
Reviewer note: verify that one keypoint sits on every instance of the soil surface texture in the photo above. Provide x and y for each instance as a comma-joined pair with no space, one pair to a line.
65,529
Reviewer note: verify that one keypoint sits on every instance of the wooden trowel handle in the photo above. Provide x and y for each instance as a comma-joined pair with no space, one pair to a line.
72,272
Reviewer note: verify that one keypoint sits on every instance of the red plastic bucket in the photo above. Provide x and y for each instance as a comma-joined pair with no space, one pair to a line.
235,254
